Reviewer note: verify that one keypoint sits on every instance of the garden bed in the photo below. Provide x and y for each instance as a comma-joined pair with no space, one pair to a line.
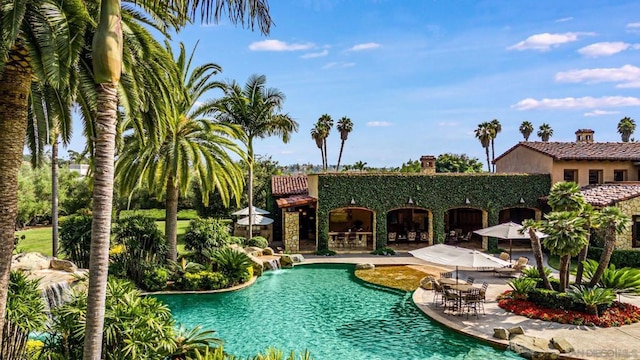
617,314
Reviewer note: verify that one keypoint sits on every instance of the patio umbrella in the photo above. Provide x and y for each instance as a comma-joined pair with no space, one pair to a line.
257,220
256,211
508,230
457,256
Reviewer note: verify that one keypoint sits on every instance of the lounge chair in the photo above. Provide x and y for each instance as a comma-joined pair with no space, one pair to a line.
513,271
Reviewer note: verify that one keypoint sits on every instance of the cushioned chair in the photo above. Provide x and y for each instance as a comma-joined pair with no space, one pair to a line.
411,236
424,236
391,236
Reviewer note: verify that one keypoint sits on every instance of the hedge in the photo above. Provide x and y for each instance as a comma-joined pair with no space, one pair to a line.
620,258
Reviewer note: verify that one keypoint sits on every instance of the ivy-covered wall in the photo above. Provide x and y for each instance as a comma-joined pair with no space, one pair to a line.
437,193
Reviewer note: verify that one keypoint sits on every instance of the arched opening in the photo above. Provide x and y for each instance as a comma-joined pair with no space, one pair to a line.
459,224
516,215
351,229
406,226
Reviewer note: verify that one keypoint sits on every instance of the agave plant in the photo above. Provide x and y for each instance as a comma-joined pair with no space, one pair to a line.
533,273
521,287
194,342
623,280
233,263
591,297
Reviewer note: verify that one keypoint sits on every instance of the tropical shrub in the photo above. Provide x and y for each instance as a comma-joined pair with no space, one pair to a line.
212,280
206,235
521,287
385,251
75,239
155,279
238,240
145,248
25,314
551,299
191,281
258,241
533,273
232,263
620,257
625,280
591,297
190,344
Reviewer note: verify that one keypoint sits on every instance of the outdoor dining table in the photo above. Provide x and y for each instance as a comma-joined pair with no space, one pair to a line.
461,288
451,281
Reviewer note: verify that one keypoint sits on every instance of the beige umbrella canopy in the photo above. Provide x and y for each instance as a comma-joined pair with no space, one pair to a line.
257,220
457,256
256,211
508,230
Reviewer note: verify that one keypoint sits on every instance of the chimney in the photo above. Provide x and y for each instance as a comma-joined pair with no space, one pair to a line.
584,136
428,164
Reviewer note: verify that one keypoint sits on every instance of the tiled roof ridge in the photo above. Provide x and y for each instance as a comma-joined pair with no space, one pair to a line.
290,184
581,150
608,194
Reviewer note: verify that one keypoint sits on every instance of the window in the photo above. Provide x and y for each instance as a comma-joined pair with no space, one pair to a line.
595,176
619,175
635,240
570,175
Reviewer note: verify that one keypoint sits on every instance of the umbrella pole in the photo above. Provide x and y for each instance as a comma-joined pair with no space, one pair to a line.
456,274
510,249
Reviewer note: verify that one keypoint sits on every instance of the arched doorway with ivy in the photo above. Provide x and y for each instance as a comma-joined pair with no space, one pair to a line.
351,229
517,215
460,222
408,226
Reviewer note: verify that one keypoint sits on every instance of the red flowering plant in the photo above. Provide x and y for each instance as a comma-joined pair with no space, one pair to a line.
617,314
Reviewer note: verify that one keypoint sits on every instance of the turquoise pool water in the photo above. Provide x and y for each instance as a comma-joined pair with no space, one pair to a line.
327,310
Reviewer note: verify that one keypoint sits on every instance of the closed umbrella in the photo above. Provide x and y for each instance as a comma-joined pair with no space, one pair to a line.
257,220
508,230
256,211
457,256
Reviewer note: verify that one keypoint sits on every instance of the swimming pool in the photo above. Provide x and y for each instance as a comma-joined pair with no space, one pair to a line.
327,310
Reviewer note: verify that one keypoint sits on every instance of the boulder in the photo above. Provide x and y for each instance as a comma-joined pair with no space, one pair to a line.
562,345
286,261
365,266
516,330
531,347
253,251
297,258
63,265
257,265
29,262
267,251
501,333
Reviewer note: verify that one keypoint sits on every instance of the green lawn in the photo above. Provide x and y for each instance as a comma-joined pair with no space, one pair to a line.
554,262
39,239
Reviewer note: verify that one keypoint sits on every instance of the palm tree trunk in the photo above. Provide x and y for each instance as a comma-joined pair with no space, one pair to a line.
250,187
609,245
488,160
340,156
537,254
582,256
564,271
54,194
326,156
15,84
101,227
493,155
171,218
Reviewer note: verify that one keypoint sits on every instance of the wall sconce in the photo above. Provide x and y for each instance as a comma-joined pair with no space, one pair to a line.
353,201
521,201
410,201
467,201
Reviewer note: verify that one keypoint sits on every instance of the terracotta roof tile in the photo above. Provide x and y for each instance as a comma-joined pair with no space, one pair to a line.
289,185
609,194
296,200
629,151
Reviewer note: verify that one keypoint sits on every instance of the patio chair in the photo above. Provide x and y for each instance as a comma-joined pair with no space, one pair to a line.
483,291
467,237
424,236
451,300
438,297
504,256
470,280
472,301
446,275
514,271
411,236
391,236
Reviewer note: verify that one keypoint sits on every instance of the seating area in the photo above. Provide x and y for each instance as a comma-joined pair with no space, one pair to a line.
458,297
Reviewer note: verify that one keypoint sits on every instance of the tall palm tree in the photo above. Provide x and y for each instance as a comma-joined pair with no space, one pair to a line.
545,132
496,128
326,123
530,226
345,126
28,27
255,109
611,222
526,128
484,133
317,134
192,146
626,127
360,165
107,67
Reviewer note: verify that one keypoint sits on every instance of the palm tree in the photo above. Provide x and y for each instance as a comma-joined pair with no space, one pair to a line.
359,165
192,146
626,127
526,128
484,133
611,222
345,126
496,127
27,28
255,109
545,132
107,68
317,134
326,123
530,225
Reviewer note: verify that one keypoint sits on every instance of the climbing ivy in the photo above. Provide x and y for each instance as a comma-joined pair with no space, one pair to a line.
437,193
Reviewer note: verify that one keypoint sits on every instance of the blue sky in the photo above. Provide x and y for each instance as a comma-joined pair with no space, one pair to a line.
417,77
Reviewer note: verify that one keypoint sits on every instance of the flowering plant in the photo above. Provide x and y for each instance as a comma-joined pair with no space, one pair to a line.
617,315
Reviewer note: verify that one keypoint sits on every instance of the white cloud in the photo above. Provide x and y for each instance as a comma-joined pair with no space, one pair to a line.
604,48
600,113
338,65
379,123
570,103
365,46
565,19
315,54
546,41
627,76
633,27
277,45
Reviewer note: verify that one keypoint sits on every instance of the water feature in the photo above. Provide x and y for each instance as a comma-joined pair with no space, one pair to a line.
56,294
273,264
325,309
